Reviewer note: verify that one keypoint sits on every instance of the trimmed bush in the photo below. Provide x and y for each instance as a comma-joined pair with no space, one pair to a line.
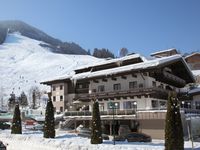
16,123
96,133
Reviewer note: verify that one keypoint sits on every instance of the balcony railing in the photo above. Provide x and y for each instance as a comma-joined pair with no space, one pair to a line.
121,114
125,93
190,111
109,112
128,114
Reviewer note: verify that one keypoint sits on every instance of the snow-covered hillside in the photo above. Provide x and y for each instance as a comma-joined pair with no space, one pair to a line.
24,63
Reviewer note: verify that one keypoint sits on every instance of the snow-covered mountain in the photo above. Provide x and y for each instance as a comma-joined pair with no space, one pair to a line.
55,45
24,63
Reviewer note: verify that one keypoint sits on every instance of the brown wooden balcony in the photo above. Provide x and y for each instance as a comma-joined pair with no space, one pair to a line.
152,92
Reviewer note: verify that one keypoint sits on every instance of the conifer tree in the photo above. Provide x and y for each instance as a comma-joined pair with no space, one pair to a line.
96,134
23,100
173,125
49,124
16,123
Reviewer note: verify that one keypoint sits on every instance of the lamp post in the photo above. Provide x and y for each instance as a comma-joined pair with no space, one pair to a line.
70,110
135,107
183,103
113,106
83,108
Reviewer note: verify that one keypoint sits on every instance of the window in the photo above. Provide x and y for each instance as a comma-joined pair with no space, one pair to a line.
61,98
54,98
61,87
154,104
133,85
116,105
61,109
197,104
101,88
79,86
141,85
154,83
117,87
130,105
161,86
53,88
163,104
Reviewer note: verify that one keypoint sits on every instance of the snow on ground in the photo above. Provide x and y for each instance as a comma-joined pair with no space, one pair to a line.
24,63
33,140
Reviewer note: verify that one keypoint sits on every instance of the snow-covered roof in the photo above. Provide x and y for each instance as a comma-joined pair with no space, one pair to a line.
194,91
196,53
116,60
196,72
134,67
163,51
147,64
61,78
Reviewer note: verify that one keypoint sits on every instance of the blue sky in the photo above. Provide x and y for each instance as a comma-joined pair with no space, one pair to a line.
142,26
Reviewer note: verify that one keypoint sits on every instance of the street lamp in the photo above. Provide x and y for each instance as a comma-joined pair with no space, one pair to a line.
135,107
83,108
189,105
113,106
182,104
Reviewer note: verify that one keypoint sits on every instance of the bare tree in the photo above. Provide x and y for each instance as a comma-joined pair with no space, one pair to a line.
35,96
12,101
23,101
123,52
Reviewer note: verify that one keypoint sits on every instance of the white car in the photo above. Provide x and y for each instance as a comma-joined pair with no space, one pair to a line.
38,127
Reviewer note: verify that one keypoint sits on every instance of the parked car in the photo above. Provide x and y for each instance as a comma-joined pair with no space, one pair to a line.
124,130
4,125
38,126
2,146
85,132
120,138
138,137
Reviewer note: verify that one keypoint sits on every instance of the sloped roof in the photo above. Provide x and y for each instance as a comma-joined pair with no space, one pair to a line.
57,79
148,64
163,51
196,53
195,91
115,60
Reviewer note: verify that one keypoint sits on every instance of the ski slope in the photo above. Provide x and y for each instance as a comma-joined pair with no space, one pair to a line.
24,63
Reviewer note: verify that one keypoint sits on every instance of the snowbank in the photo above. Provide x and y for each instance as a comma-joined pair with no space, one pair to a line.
68,141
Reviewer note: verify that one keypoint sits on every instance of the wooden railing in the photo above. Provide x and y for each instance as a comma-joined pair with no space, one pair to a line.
131,92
